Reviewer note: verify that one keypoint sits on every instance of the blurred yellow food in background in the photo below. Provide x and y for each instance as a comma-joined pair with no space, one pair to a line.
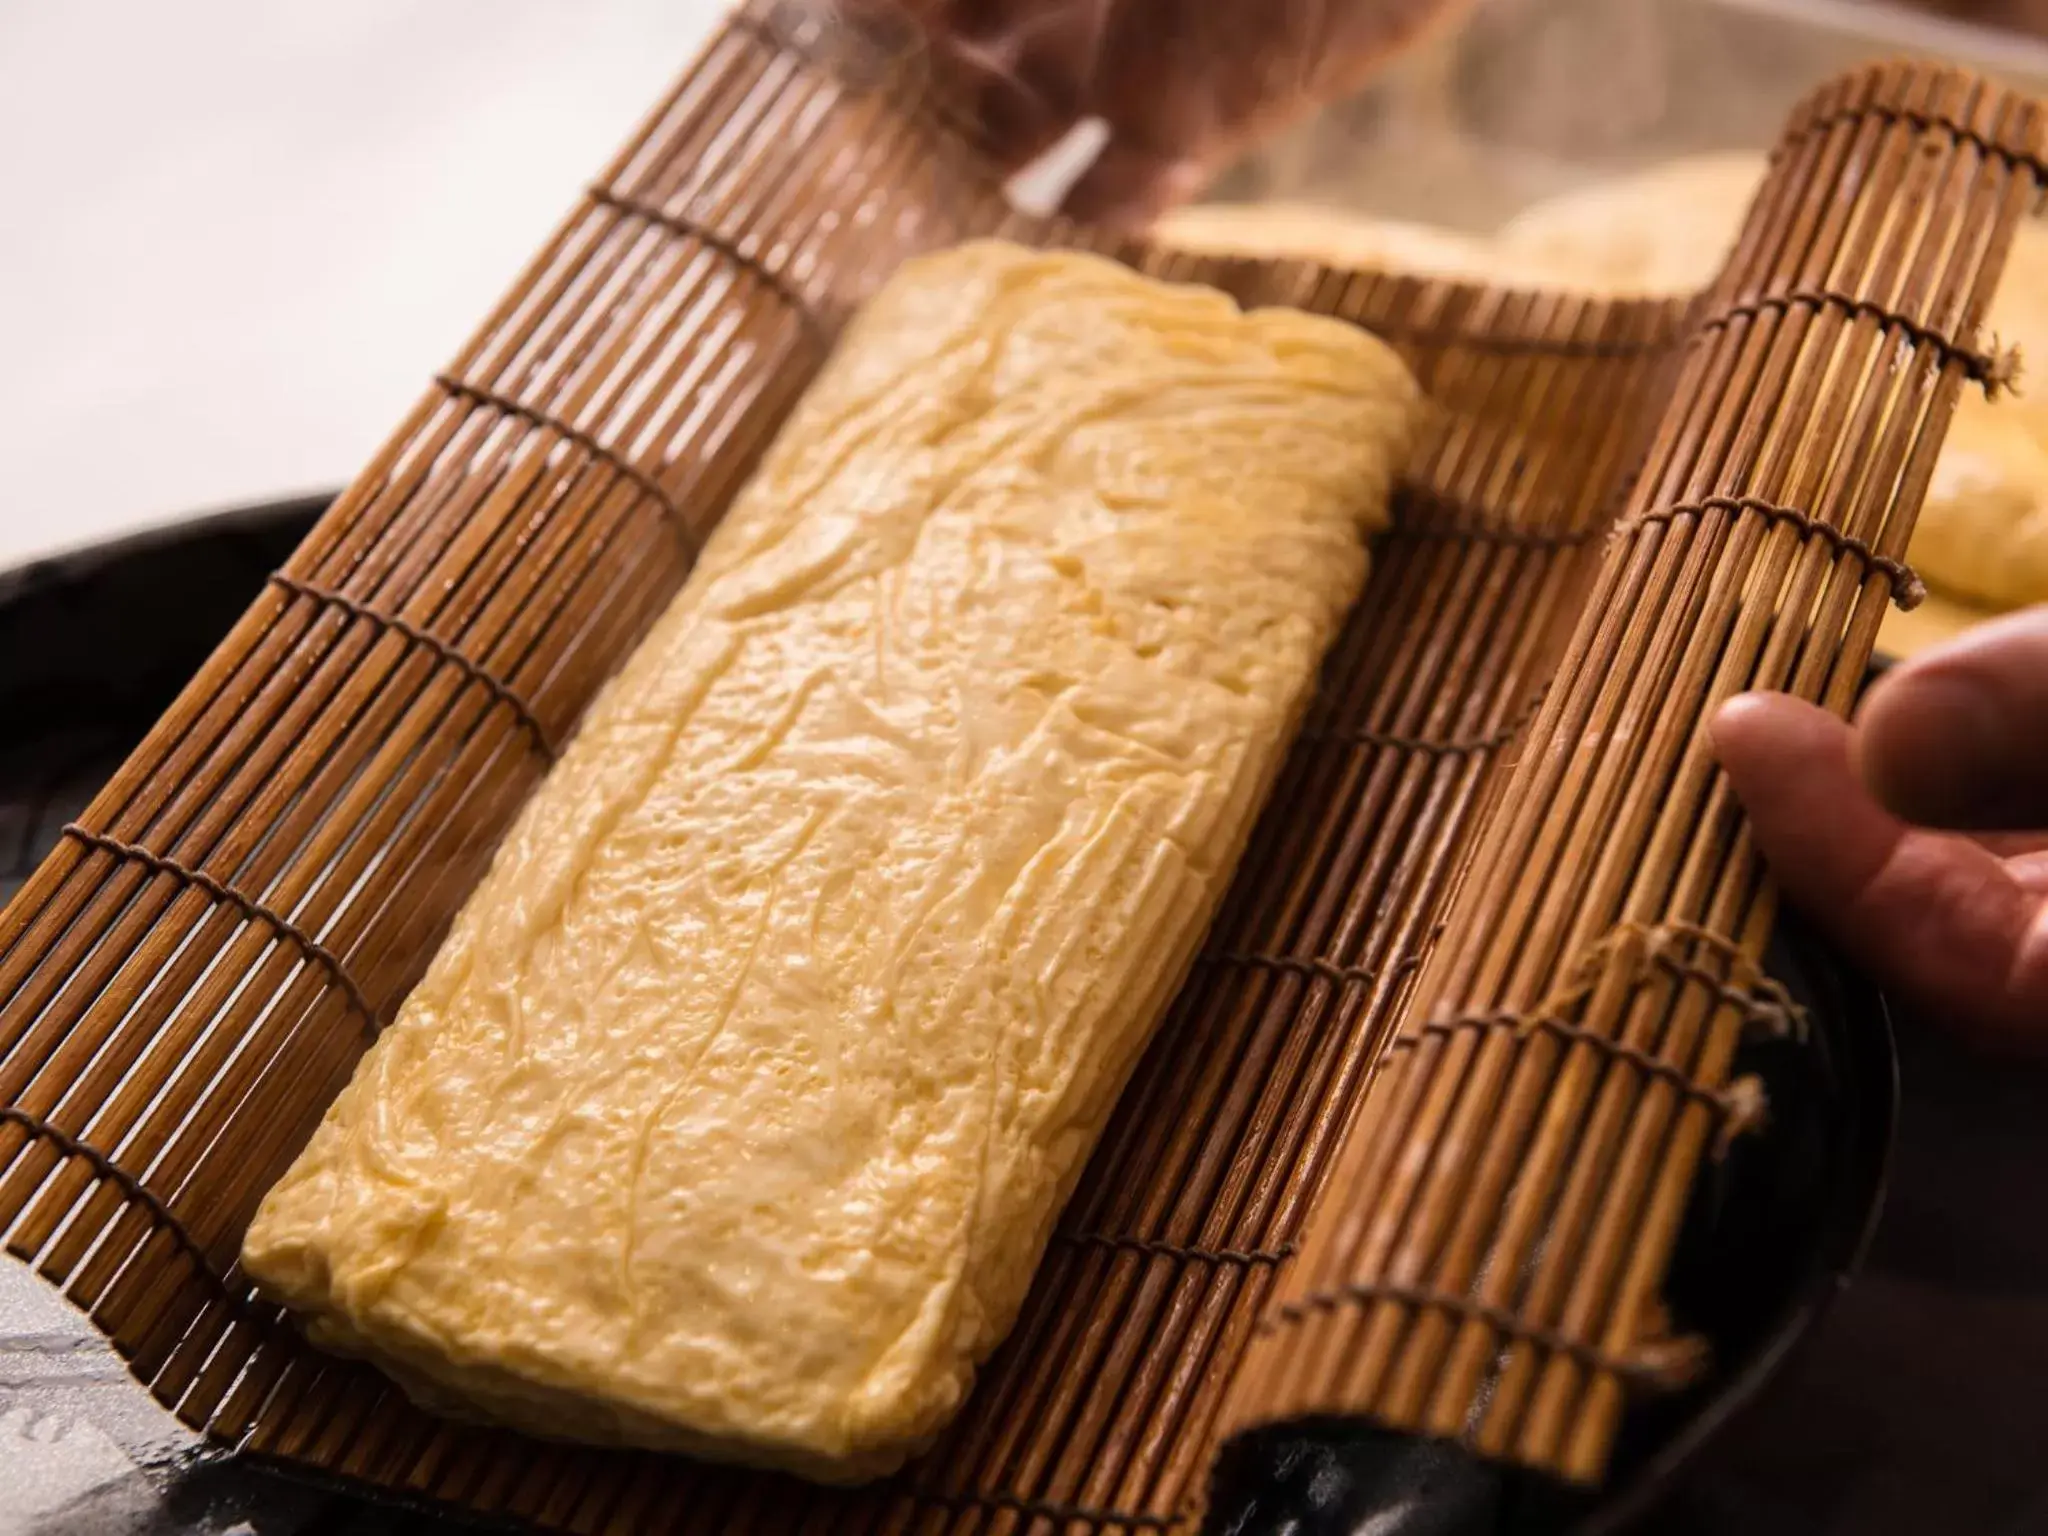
1981,543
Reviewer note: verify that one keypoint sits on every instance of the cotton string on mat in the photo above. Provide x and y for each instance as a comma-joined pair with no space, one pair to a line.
188,980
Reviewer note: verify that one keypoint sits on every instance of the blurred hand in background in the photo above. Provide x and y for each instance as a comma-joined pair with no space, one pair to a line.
2019,15
1183,85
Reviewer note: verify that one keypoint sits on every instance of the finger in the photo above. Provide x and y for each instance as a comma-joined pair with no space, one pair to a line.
1016,118
1935,917
1166,78
1026,64
1958,736
1133,183
1011,63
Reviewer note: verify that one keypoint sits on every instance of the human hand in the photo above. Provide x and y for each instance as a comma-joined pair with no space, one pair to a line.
1916,834
1182,84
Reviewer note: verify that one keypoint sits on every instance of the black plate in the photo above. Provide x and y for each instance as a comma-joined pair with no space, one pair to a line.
94,645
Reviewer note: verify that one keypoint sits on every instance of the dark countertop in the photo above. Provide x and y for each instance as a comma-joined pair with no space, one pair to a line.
1922,1404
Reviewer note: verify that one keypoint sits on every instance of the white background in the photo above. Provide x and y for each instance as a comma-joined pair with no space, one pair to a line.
237,236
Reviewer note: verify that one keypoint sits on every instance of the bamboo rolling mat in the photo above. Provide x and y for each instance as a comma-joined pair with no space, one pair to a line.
1415,1138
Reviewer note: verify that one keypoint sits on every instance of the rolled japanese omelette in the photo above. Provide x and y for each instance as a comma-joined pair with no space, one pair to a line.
737,1109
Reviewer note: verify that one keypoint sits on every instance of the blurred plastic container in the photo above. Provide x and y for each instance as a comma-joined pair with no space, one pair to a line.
1533,97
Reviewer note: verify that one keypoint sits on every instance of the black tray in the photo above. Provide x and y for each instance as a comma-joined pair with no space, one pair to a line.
92,646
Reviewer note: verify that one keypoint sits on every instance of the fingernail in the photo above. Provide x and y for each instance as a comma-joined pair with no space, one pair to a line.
1736,706
1732,718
